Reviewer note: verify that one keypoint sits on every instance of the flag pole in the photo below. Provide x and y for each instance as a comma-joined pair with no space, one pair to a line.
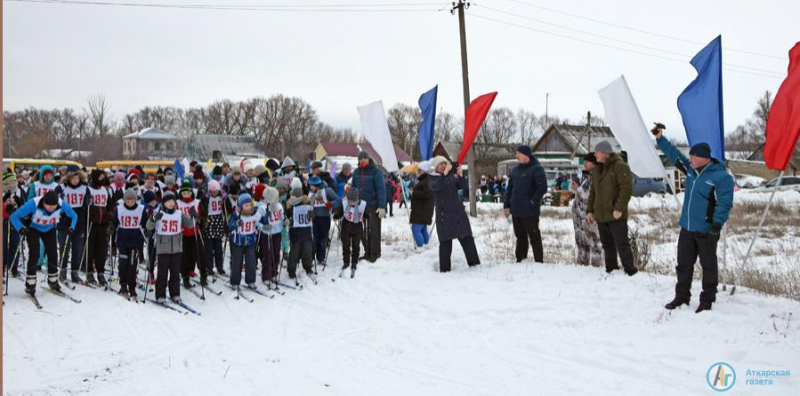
755,236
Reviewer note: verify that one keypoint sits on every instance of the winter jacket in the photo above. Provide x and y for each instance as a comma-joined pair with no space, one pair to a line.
11,202
421,202
612,187
341,181
40,188
130,237
213,226
229,182
526,187
42,220
246,234
77,197
297,232
369,182
450,214
709,192
101,207
169,244
321,198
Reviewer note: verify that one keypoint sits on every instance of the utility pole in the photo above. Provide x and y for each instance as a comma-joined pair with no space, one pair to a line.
460,6
547,110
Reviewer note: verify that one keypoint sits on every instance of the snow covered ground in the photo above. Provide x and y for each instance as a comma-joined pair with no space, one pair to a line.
402,328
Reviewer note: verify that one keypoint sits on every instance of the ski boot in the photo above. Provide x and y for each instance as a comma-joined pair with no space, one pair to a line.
52,283
30,285
90,278
75,277
101,280
251,286
161,300
123,291
221,272
176,299
62,275
186,283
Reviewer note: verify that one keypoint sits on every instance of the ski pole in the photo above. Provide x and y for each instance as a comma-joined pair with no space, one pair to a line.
61,262
86,246
202,267
16,253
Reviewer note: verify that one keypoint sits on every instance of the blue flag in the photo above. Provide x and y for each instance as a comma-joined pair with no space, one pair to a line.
700,103
427,103
179,171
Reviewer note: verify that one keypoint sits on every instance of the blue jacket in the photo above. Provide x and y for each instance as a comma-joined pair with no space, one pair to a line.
331,197
369,182
709,192
244,240
30,208
525,190
341,181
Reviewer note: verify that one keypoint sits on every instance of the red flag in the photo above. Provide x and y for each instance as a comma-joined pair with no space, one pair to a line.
783,122
473,119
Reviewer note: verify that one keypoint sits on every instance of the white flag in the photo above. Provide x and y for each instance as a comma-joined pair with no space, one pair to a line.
626,123
376,129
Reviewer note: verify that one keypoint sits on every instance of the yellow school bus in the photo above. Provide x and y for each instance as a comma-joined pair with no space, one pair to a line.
29,163
148,166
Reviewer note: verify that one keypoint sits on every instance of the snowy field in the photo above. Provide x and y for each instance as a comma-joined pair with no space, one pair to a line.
402,328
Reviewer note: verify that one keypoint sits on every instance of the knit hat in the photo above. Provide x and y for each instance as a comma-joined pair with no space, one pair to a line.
363,155
272,164
352,194
603,147
314,181
260,169
271,195
129,194
213,185
436,161
258,192
347,166
248,166
590,157
134,171
46,170
235,169
168,196
119,175
316,164
234,189
198,174
243,199
702,150
297,192
424,166
281,183
296,183
169,180
9,176
149,196
51,198
186,186
525,150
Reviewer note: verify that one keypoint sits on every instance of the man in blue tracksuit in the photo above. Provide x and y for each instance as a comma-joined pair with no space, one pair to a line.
706,205
44,213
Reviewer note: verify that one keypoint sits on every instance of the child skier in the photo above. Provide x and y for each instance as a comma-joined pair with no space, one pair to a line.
167,223
150,202
299,216
323,198
213,223
191,258
74,194
45,212
352,228
12,200
100,214
244,224
130,222
270,240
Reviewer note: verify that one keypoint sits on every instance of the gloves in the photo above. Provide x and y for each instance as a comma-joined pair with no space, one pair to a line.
506,212
239,222
158,216
328,205
267,227
382,213
658,128
70,231
713,233
23,231
193,212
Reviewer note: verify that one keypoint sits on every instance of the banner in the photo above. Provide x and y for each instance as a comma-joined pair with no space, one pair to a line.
179,171
700,103
376,129
629,129
427,104
473,119
783,123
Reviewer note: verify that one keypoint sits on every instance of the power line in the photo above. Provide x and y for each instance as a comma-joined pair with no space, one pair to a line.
783,58
376,7
621,41
682,61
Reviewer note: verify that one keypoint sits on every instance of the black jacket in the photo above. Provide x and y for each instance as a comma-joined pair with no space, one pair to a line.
421,202
450,214
526,187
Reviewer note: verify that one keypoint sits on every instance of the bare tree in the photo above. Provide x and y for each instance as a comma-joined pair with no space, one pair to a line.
98,112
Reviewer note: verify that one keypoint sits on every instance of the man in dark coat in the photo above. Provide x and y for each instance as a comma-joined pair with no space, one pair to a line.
421,206
368,179
445,183
523,203
612,187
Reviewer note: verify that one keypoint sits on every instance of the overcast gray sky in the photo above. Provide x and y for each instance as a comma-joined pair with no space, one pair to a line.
57,55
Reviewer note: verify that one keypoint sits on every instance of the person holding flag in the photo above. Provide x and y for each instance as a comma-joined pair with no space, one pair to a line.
707,204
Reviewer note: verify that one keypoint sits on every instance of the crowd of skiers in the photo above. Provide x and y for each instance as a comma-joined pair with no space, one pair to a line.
273,212
180,230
